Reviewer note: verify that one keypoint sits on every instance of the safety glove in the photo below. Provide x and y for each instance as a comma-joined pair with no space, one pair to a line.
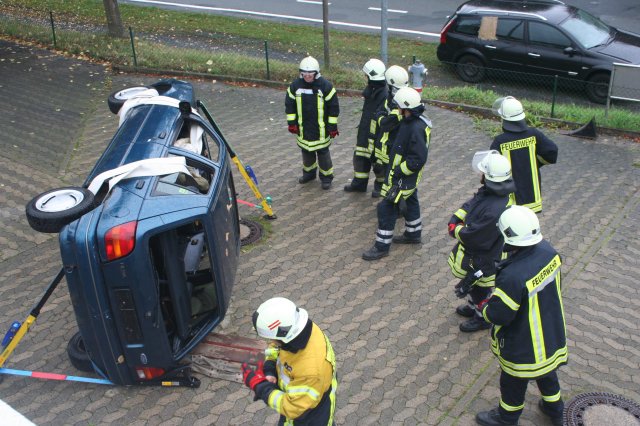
464,286
333,133
452,229
293,128
253,378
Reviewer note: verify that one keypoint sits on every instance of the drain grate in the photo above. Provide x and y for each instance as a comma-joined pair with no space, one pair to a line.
598,408
250,232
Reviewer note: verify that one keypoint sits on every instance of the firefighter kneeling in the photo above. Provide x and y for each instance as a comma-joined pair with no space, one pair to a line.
298,377
528,334
480,243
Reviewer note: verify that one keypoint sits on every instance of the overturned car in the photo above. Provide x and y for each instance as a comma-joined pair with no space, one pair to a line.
150,243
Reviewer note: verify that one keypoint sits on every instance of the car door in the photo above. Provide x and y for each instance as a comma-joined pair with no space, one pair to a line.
548,51
502,42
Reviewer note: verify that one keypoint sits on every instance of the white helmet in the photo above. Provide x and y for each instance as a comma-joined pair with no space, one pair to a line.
374,68
407,98
397,76
509,109
309,64
279,319
495,167
520,226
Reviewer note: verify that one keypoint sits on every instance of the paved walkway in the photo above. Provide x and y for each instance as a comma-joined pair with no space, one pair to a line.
401,358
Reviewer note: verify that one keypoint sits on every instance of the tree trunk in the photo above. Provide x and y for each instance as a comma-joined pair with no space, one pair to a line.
113,18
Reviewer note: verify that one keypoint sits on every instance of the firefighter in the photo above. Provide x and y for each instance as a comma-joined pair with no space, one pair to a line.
388,118
479,242
312,110
298,376
374,96
407,156
529,332
527,148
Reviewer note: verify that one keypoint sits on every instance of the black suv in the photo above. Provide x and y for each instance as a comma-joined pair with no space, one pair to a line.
538,37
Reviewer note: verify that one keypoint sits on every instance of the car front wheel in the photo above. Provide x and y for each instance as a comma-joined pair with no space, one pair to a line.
597,88
50,211
78,354
470,68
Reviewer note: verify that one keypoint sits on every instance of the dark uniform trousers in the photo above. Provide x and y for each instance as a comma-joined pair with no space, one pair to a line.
512,390
388,212
312,159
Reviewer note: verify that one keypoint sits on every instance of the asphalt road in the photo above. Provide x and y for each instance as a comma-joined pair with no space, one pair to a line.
412,18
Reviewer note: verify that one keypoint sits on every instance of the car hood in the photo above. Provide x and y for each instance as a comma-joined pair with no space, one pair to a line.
624,47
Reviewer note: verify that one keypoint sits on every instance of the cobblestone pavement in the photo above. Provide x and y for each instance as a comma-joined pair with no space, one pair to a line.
401,358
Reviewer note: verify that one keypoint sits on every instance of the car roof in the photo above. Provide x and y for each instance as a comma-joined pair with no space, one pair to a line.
552,11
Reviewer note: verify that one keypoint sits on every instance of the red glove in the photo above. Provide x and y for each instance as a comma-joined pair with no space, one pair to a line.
293,128
452,229
252,377
333,133
482,303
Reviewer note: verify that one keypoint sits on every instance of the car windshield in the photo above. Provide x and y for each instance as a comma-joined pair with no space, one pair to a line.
586,29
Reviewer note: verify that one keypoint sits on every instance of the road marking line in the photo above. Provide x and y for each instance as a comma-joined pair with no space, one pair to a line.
276,15
377,9
312,2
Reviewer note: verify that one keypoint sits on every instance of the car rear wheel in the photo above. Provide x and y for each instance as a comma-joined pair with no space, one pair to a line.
78,354
119,97
597,88
470,68
50,211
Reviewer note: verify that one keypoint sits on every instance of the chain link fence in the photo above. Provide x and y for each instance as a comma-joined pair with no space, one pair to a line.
216,54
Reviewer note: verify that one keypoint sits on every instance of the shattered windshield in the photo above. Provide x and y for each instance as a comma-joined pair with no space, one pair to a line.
586,29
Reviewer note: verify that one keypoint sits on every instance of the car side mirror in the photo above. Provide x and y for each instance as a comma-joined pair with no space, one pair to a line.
569,51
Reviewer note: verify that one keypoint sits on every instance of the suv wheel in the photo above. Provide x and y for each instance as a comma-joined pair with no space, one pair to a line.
78,354
119,97
597,88
50,211
470,68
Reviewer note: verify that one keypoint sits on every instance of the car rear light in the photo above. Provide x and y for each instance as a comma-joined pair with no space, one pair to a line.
148,373
120,240
443,33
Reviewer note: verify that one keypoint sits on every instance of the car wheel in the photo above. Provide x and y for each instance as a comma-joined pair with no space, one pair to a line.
597,88
470,68
50,211
119,97
78,354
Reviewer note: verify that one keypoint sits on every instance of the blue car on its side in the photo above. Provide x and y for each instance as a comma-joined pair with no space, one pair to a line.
150,243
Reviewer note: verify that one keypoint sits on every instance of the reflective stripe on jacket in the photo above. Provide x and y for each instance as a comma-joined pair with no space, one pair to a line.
307,382
527,151
314,108
529,333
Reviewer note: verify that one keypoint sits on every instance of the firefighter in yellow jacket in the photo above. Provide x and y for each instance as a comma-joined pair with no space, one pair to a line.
298,376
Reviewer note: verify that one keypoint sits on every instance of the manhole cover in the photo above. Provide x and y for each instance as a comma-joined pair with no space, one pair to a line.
596,408
250,232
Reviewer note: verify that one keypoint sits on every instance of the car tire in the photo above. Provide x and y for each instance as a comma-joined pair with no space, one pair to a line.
78,354
119,97
597,88
470,68
50,211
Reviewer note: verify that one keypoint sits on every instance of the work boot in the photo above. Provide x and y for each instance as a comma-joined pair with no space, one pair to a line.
403,239
350,187
555,419
465,310
374,253
492,418
306,178
326,184
474,324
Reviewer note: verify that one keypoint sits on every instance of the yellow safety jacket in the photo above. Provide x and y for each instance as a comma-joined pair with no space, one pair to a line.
307,382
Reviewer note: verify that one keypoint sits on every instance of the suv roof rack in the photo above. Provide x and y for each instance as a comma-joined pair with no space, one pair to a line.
509,13
533,1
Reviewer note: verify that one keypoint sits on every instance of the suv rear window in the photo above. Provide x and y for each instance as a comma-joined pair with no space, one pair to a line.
467,25
510,29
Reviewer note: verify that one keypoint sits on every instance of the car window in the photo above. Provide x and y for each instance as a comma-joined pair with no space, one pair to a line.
467,25
547,35
197,181
510,29
588,30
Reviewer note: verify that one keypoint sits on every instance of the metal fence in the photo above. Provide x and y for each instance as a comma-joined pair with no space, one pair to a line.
211,53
